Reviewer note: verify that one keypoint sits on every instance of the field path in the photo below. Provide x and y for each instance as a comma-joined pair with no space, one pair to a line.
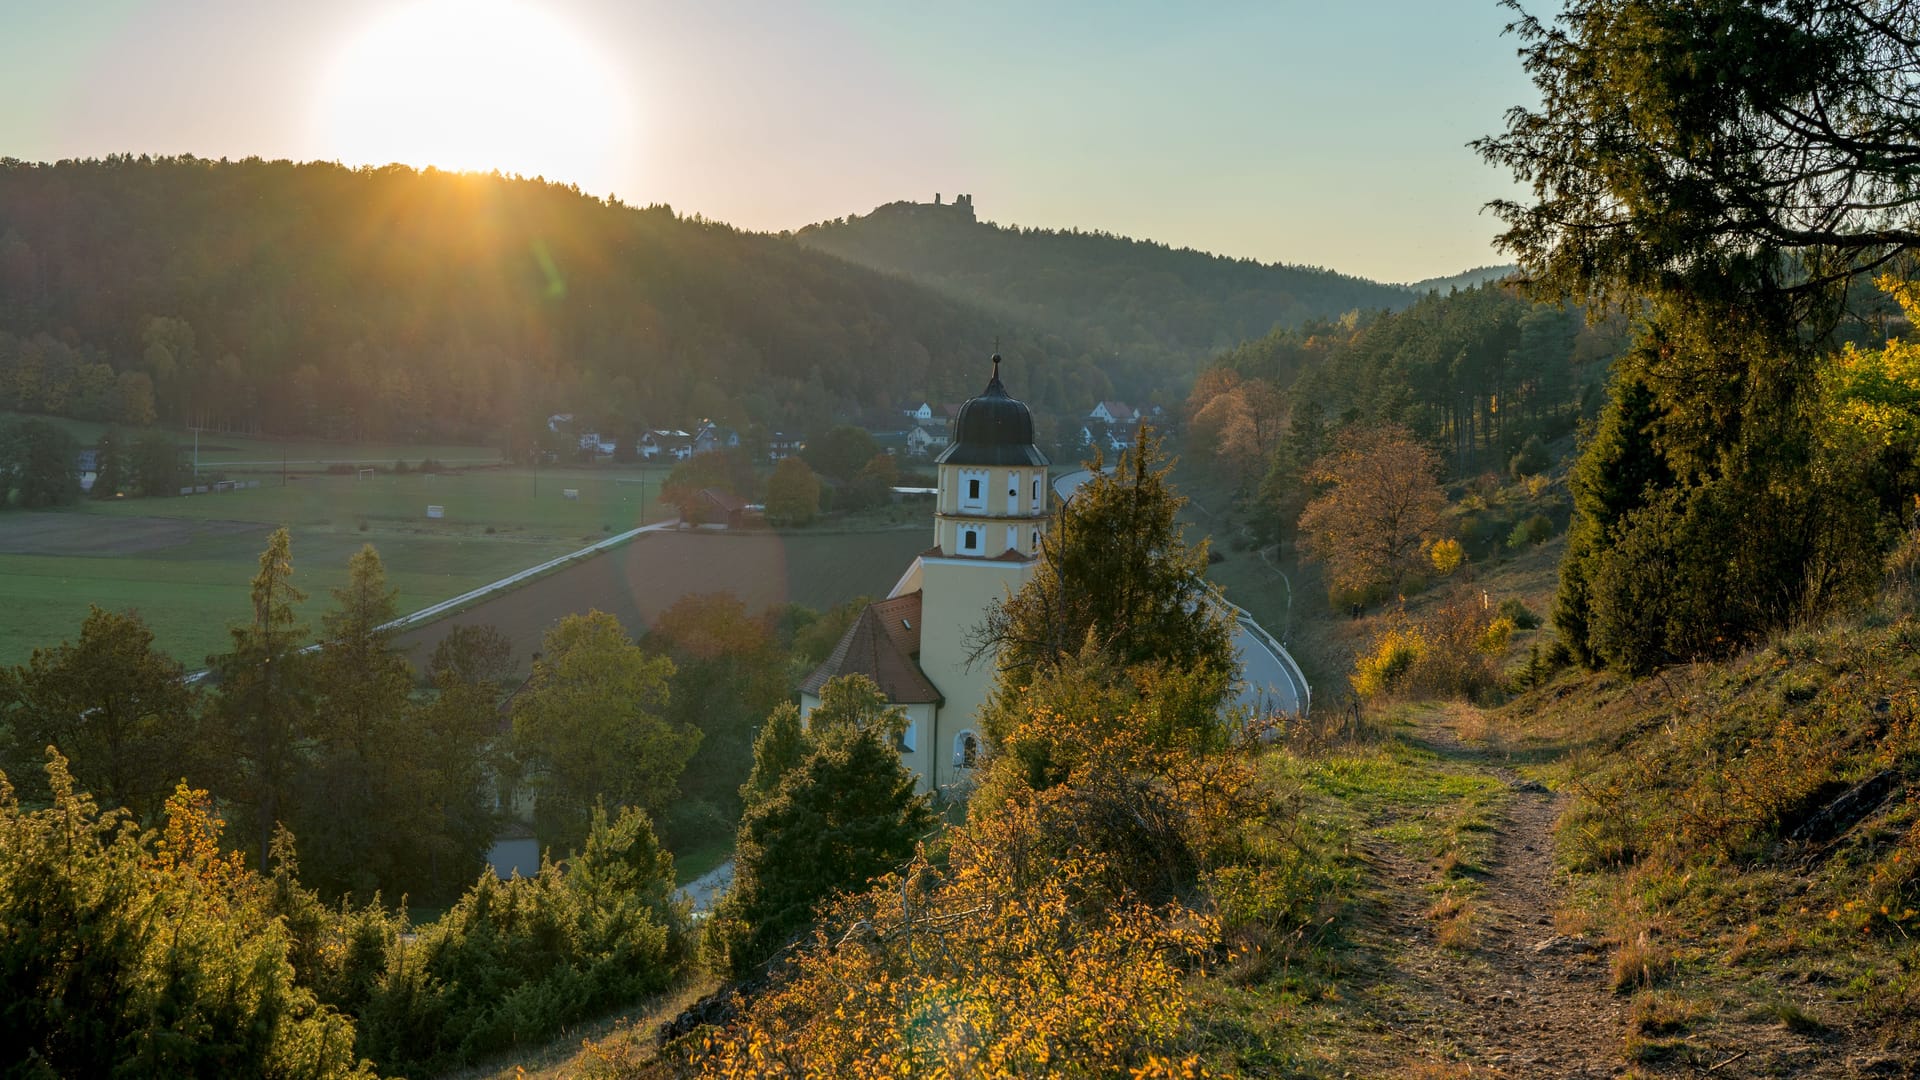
1510,996
1521,998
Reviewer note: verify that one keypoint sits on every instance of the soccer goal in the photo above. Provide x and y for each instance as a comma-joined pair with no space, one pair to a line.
365,474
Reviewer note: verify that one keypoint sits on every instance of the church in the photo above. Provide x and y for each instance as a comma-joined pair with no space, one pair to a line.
914,644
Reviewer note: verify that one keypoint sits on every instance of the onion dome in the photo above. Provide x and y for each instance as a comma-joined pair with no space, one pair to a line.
993,429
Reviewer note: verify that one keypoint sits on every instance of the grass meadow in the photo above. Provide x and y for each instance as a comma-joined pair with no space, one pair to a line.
184,563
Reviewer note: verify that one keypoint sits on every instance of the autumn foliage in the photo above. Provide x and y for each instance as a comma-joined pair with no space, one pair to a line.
1060,931
1381,510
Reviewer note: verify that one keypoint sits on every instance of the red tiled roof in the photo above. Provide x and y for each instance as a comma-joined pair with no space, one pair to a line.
726,501
881,644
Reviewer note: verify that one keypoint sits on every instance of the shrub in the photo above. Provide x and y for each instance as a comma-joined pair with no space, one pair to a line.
1394,654
1532,532
515,961
1494,639
127,953
1516,611
1447,556
1453,650
1531,460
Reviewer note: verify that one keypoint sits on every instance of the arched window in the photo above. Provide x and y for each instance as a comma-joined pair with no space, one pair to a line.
967,749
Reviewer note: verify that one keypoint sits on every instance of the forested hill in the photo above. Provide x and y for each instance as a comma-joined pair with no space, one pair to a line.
1139,301
311,298
1466,279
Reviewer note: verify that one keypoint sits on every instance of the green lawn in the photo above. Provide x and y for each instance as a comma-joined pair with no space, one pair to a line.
512,502
191,586
190,593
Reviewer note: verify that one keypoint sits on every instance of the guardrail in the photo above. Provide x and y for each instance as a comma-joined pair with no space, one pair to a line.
1287,663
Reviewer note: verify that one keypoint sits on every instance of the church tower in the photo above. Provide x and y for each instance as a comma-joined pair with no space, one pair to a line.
993,480
991,510
990,513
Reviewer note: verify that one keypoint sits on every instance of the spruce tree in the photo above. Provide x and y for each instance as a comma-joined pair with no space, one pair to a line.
262,712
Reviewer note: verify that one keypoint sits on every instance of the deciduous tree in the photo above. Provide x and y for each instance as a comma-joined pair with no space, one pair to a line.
793,493
727,676
118,710
589,727
1382,508
37,463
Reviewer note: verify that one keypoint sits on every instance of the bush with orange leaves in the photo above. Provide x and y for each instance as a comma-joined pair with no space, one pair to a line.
995,964
1058,931
1453,650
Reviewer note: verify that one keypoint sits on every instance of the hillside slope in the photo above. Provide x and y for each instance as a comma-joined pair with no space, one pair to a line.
1140,303
310,298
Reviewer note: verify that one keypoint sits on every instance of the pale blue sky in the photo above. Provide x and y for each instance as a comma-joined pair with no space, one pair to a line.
1321,132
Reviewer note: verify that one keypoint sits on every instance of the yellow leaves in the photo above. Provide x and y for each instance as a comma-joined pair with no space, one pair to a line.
1905,293
1394,654
1493,640
967,972
1447,556
1875,394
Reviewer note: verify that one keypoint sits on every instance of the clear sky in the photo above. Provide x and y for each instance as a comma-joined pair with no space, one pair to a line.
1302,131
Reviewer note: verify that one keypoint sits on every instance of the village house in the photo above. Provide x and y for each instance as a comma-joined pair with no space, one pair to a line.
781,446
666,442
710,437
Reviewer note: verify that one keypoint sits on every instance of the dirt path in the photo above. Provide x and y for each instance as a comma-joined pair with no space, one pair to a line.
1508,995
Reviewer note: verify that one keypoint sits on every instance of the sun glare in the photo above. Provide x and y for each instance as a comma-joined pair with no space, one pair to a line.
475,85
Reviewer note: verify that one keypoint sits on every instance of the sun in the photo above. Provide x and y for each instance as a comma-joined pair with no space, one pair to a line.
475,85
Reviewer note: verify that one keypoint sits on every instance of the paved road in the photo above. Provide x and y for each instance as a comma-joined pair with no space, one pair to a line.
1273,684
705,890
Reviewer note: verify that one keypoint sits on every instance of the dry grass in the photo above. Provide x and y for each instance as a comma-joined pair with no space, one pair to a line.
1454,922
1659,1012
1573,920
614,1045
1640,961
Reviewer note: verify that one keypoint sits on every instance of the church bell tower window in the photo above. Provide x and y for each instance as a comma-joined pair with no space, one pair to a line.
973,489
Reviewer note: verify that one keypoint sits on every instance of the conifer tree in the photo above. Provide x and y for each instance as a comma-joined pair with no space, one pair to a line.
846,813
1115,569
263,711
